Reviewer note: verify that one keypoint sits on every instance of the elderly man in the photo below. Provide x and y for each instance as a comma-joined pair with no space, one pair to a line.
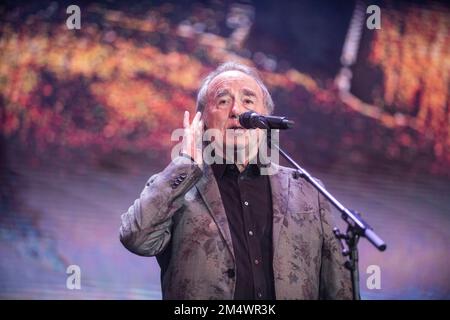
225,230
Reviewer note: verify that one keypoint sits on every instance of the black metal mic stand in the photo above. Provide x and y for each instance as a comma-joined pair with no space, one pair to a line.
356,226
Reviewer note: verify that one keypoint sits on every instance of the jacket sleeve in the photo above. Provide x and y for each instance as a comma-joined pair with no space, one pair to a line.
335,279
146,226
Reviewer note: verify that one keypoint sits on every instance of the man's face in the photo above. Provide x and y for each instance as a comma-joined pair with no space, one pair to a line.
230,94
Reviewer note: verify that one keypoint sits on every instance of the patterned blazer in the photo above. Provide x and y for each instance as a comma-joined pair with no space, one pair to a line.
179,218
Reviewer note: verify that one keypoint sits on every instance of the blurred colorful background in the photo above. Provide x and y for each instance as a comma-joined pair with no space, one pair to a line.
86,117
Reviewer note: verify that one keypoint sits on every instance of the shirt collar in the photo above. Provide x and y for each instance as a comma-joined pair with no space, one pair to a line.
252,170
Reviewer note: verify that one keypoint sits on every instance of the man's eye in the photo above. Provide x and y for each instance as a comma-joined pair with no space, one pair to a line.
248,101
222,102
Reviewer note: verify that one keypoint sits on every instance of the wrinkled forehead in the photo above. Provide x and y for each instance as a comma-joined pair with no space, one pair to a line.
233,80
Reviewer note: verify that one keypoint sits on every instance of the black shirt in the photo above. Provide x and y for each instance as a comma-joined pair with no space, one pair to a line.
247,200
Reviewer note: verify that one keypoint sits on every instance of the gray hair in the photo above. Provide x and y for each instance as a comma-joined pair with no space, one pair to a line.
233,66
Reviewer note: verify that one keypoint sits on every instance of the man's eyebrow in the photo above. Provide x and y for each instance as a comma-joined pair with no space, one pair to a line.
248,92
223,92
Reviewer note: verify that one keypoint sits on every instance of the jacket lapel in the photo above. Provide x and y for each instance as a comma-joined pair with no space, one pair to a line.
209,191
279,184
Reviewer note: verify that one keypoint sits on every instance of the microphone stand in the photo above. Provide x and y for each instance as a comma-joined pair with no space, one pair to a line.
356,226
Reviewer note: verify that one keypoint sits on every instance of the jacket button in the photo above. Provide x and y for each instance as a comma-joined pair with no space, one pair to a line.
231,273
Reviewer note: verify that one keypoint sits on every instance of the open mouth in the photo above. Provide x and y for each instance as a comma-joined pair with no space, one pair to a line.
237,129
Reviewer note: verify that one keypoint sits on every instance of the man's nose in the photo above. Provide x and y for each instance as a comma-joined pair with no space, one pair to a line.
236,110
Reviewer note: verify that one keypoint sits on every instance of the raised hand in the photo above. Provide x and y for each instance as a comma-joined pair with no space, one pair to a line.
192,138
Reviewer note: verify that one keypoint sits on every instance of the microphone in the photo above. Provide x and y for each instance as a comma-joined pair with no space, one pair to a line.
252,120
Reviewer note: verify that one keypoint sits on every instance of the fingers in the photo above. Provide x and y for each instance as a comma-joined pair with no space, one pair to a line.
192,140
186,119
196,119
